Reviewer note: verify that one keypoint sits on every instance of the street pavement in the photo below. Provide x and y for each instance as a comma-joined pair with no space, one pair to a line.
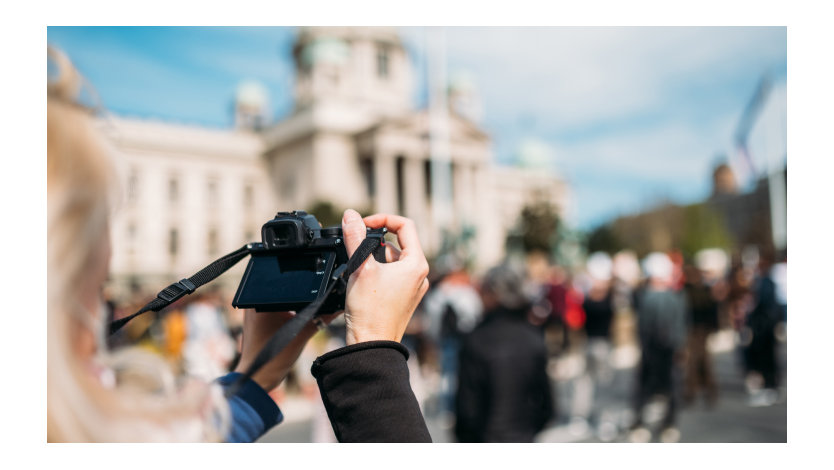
731,420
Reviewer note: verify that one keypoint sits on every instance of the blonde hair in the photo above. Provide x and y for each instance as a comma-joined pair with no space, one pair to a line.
127,396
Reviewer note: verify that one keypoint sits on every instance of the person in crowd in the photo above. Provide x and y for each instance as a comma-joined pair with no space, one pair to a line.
779,275
599,314
761,323
739,295
95,394
556,289
504,392
661,325
702,321
174,328
209,346
452,309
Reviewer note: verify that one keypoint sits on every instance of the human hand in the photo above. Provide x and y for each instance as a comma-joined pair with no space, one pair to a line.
258,327
382,297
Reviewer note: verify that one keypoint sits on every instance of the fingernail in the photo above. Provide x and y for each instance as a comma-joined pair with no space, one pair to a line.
351,216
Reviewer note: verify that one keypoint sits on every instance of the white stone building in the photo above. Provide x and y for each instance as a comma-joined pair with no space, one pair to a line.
353,139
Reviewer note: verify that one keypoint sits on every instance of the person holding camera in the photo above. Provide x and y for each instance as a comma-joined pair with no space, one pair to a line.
95,394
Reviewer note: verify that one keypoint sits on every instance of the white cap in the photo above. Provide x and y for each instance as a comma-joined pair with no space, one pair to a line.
658,266
599,266
713,261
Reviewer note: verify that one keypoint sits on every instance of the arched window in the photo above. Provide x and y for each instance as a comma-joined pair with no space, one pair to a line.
213,242
173,242
383,58
173,189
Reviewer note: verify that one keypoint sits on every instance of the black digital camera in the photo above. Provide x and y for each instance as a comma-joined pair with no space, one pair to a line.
292,266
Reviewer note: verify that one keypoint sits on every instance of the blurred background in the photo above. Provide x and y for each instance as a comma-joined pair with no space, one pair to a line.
570,154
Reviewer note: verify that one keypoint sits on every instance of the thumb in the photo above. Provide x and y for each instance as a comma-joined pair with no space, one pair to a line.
353,230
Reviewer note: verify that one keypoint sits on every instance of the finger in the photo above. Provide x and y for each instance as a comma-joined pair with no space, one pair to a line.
424,287
392,253
404,228
353,230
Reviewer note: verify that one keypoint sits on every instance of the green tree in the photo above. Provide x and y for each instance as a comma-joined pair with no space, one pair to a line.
539,223
326,213
329,214
703,228
604,238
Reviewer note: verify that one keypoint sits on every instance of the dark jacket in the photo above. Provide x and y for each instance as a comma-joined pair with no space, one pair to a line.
703,309
598,316
367,394
365,390
661,319
503,392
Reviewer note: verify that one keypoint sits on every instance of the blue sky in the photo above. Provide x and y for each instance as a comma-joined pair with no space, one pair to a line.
628,115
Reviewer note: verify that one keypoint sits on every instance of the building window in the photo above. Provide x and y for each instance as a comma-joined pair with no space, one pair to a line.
288,185
173,189
249,235
382,61
248,196
453,169
133,186
332,78
211,190
173,242
131,238
213,245
367,167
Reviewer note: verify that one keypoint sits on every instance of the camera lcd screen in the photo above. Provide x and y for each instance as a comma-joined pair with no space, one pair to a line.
284,280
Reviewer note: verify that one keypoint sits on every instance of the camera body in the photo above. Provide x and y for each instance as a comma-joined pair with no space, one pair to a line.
292,266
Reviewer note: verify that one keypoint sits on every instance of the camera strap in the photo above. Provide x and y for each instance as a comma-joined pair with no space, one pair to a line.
374,243
186,286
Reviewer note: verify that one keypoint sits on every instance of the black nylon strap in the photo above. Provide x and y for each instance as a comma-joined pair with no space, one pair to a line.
184,287
282,337
373,243
280,340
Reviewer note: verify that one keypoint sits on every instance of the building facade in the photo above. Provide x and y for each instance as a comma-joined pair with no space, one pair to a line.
352,140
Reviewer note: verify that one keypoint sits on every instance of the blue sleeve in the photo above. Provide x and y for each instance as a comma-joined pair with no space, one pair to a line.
252,409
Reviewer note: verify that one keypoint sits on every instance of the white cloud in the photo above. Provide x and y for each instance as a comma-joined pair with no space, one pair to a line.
627,172
662,153
644,108
579,76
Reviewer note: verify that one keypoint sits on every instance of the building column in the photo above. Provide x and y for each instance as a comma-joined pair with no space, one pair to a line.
485,216
385,181
464,180
414,191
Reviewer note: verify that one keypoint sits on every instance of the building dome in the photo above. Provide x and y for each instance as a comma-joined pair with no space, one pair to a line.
464,97
252,95
463,83
536,154
251,105
327,50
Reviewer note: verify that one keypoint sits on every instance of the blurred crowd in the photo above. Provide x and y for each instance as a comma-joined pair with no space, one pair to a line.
531,345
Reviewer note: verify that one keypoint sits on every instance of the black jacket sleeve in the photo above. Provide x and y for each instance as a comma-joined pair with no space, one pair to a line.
367,395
